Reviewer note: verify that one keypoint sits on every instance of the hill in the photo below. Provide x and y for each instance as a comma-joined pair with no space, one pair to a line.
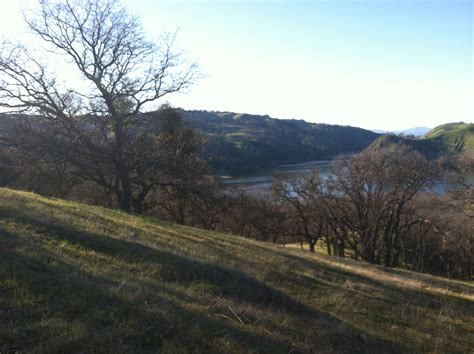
426,146
82,278
458,137
245,142
446,138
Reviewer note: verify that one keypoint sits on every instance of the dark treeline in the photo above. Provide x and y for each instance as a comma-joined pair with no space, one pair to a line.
93,143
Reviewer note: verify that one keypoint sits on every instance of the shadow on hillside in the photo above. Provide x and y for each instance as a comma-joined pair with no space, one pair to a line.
229,283
177,268
393,293
67,296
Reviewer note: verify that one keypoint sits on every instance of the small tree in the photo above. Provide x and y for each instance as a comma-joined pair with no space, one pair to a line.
301,196
94,126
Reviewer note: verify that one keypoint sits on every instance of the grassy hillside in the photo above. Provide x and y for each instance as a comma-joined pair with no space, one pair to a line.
446,138
457,137
427,147
82,278
244,142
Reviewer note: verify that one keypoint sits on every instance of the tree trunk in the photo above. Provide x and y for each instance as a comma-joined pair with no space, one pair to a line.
126,192
342,247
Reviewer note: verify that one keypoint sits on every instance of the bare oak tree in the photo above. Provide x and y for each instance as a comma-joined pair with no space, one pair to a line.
95,124
301,196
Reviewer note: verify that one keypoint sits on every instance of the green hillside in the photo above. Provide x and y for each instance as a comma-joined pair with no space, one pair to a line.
86,279
244,142
458,137
446,138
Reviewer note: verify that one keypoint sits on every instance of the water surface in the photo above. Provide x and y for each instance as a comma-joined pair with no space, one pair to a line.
261,181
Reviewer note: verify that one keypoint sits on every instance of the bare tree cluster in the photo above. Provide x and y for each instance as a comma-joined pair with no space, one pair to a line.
378,206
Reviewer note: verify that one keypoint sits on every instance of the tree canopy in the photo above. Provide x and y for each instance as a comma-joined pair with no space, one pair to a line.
93,124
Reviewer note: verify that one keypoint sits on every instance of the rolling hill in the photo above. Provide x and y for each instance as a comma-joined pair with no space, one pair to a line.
86,279
458,137
455,138
243,142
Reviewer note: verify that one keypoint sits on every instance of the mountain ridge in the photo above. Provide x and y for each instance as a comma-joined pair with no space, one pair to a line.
240,142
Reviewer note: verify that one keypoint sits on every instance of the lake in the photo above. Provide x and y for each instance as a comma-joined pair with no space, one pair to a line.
261,181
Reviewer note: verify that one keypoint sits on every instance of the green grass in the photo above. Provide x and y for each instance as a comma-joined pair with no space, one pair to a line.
458,137
446,138
447,128
86,279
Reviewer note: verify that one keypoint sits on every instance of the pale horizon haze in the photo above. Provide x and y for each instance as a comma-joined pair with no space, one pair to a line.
375,64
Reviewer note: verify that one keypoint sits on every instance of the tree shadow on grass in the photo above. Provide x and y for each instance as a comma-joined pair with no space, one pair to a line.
62,297
394,292
174,268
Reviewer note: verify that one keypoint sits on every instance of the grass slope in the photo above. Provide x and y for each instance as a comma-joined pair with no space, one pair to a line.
81,278
446,138
458,137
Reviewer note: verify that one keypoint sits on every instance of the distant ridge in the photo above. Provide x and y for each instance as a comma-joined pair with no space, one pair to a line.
239,142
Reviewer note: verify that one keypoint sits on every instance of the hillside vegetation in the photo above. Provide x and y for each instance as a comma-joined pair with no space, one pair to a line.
245,142
82,278
454,136
446,138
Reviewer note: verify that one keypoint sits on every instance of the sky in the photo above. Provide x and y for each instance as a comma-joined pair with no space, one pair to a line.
375,64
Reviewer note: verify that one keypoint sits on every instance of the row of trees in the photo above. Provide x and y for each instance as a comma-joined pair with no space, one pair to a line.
379,206
390,207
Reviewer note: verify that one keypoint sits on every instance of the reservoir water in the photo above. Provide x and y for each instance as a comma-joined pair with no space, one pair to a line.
261,181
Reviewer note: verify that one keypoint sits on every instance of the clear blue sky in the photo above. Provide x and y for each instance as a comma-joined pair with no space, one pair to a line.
387,64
